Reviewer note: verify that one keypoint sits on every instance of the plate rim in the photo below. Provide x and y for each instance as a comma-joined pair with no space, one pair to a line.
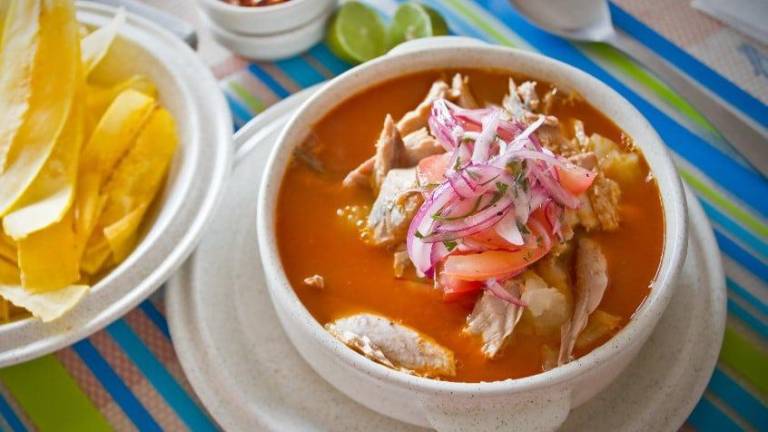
250,132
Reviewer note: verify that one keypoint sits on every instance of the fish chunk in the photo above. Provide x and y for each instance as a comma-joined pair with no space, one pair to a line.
528,95
604,194
587,160
461,92
417,118
513,104
394,345
591,282
389,151
315,281
397,203
417,145
401,261
494,319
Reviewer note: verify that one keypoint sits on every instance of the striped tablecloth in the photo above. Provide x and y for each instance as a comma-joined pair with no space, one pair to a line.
127,377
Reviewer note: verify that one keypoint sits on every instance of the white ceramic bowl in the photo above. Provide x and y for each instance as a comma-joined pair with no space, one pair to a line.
196,177
538,402
273,46
264,20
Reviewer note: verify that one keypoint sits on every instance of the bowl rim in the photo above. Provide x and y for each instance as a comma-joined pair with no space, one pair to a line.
42,338
283,36
643,320
254,10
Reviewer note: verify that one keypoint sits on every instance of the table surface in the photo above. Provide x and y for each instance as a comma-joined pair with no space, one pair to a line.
127,377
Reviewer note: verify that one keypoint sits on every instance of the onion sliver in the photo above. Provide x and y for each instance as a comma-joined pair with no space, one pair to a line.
508,230
483,142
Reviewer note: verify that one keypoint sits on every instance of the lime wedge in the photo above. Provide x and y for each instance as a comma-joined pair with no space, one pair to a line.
439,26
356,34
413,21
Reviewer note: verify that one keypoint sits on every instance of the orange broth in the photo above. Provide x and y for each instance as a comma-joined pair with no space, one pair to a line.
313,239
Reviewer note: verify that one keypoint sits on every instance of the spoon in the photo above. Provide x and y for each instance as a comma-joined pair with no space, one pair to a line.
590,21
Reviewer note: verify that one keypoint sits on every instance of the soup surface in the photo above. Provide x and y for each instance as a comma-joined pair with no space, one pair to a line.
318,227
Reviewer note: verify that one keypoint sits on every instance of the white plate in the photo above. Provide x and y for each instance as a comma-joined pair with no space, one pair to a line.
194,186
251,375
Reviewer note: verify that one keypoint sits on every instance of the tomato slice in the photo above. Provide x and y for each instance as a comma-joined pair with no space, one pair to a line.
575,179
431,169
500,264
455,289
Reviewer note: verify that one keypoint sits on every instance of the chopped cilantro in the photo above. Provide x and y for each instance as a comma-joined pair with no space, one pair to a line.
523,229
472,174
418,235
457,165
515,167
450,245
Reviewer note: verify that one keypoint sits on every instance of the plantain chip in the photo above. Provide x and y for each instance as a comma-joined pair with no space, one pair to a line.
139,175
133,185
51,194
115,133
47,305
7,248
99,97
17,55
49,259
95,255
5,311
96,45
123,234
53,85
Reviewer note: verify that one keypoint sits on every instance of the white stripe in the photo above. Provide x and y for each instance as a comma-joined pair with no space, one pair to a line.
746,279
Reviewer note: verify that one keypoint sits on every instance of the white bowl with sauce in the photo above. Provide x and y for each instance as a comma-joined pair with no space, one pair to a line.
538,402
264,20
271,46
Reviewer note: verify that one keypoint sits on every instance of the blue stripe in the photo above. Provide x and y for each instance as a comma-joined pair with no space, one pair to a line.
115,386
735,229
162,381
13,421
741,256
267,79
730,392
747,318
456,23
239,113
156,317
707,417
742,292
334,64
746,103
740,181
300,71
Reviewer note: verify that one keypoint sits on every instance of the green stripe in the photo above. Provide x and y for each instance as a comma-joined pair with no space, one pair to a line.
255,105
736,212
625,64
609,55
473,17
746,359
51,398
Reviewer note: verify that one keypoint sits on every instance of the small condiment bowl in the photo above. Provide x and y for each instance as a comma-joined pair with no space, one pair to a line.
264,20
272,46
179,214
538,402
